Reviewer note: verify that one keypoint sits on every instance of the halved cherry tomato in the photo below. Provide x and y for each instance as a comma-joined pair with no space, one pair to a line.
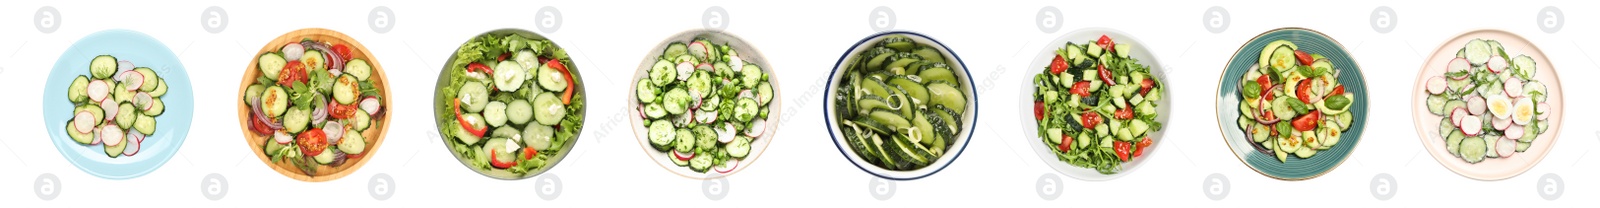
1081,88
343,51
1058,65
1105,75
1303,57
1038,110
1303,91
259,127
312,142
1090,119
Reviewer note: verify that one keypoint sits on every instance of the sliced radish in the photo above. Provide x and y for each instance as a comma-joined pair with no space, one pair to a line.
1515,131
746,94
1456,65
133,81
371,105
96,137
682,156
1543,110
1496,64
1471,125
1457,115
756,128
736,63
1513,88
110,132
705,117
98,90
1436,85
726,134
293,51
133,143
124,65
142,100
83,122
334,131
141,137
699,49
728,166
1476,105
1506,147
110,107
1500,124
697,99
705,67
684,69
282,137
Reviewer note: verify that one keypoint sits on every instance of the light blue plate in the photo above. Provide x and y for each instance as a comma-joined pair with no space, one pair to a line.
171,126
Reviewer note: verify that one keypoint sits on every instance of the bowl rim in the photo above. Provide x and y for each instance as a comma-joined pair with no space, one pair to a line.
827,110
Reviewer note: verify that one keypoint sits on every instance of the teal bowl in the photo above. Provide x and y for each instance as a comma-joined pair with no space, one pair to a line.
172,126
1228,99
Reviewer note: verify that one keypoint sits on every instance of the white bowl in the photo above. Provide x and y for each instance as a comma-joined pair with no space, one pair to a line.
1030,125
746,53
967,117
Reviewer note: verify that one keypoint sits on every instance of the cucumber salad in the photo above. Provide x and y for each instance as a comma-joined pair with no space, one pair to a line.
900,104
116,105
1492,107
704,104
315,100
1095,105
1293,103
510,103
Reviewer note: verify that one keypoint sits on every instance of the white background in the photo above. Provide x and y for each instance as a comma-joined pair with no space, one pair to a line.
802,40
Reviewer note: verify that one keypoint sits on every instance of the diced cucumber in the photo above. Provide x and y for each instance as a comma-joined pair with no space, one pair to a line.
1053,135
1122,50
548,109
1094,50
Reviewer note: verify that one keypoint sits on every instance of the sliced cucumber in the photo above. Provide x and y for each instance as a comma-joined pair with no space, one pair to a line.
946,94
126,115
150,79
474,96
1525,65
271,148
654,110
508,76
314,60
1283,59
1478,53
78,92
661,135
161,88
346,89
519,112
752,75
103,66
551,79
676,101
81,138
745,109
683,140
361,120
1267,52
913,88
145,124
645,91
274,101
358,68
353,142
156,107
538,137
327,153
270,64
740,147
473,120
296,119
548,109
1436,104
1473,149
495,113
1452,143
765,92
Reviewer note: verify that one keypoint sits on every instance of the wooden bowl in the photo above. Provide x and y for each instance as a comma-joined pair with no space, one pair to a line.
374,134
